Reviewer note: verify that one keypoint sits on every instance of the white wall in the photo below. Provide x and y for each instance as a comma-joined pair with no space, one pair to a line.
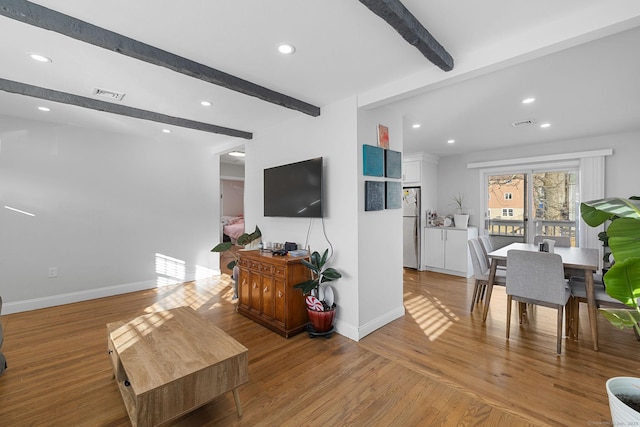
379,235
232,197
104,205
621,171
334,136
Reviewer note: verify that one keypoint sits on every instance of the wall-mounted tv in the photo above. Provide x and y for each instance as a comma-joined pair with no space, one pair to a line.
294,190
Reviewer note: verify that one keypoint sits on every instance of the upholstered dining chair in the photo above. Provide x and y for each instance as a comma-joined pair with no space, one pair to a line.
481,272
579,294
537,278
487,246
561,241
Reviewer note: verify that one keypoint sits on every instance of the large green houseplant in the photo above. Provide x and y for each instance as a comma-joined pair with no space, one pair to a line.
321,309
622,280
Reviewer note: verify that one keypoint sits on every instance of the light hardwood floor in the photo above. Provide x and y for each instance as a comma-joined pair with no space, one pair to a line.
438,365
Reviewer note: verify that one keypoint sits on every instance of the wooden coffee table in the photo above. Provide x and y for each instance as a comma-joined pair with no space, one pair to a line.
171,362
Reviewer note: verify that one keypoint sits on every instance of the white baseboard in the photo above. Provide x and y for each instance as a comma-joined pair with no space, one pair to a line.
71,297
357,333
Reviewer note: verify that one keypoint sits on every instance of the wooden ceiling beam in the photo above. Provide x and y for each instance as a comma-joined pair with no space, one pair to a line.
48,19
109,107
403,21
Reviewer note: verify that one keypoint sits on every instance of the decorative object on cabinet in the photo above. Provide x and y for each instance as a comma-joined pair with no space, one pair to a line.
244,239
383,136
266,294
319,296
393,198
393,164
446,250
460,217
432,216
372,160
373,195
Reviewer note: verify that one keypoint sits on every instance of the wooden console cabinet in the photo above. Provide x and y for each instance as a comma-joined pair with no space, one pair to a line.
266,293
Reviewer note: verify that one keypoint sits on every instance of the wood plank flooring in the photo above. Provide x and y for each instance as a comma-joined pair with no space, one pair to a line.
436,366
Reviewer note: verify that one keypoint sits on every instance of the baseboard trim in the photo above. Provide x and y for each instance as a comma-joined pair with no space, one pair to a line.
356,333
71,297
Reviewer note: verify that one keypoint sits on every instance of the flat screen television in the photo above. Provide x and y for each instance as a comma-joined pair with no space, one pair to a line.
294,190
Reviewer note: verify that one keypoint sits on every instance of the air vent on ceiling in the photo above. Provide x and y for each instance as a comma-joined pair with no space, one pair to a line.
108,94
522,123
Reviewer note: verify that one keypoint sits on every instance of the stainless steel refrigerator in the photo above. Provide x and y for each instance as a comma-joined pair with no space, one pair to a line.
411,227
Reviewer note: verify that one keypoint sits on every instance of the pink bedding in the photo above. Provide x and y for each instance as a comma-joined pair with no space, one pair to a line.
234,229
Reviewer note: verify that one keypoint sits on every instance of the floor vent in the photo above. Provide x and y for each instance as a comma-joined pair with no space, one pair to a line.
108,94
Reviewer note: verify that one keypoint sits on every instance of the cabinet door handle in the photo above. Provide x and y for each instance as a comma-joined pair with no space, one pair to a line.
255,285
265,290
280,294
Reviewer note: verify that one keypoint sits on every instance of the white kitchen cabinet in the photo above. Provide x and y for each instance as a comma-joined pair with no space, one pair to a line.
412,172
446,250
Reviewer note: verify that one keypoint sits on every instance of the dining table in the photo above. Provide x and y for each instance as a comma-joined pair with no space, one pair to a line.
577,261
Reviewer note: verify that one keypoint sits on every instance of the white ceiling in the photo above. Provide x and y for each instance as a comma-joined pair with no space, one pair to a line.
578,58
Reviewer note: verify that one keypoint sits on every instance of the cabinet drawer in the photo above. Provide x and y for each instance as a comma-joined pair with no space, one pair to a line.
254,265
266,269
279,271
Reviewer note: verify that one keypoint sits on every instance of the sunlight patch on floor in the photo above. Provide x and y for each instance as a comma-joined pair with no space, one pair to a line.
433,317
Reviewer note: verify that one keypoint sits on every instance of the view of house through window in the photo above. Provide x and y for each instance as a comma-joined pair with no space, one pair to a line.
523,205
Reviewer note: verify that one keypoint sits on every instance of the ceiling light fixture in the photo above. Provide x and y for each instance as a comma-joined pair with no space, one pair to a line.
237,154
416,126
528,100
545,125
286,49
451,141
39,58
205,103
44,108
166,130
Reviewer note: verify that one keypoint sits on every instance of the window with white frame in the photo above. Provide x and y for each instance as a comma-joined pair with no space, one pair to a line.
507,212
508,196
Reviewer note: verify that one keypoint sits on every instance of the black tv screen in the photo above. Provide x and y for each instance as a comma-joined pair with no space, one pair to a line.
294,190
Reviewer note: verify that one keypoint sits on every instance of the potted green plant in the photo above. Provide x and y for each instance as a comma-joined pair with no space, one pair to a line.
622,282
460,216
320,302
244,239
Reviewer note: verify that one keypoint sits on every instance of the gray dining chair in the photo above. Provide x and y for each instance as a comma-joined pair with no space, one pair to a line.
561,241
579,295
537,278
487,246
481,273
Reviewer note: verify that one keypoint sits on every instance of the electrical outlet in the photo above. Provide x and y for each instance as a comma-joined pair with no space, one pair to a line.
53,272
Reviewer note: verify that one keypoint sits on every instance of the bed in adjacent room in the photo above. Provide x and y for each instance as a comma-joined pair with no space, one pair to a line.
232,227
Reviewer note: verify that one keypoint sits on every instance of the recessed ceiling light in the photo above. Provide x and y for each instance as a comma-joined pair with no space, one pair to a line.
416,126
286,49
44,108
237,154
528,100
545,125
39,58
451,141
166,130
205,103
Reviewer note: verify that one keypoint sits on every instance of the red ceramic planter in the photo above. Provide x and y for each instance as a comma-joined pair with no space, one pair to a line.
322,321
